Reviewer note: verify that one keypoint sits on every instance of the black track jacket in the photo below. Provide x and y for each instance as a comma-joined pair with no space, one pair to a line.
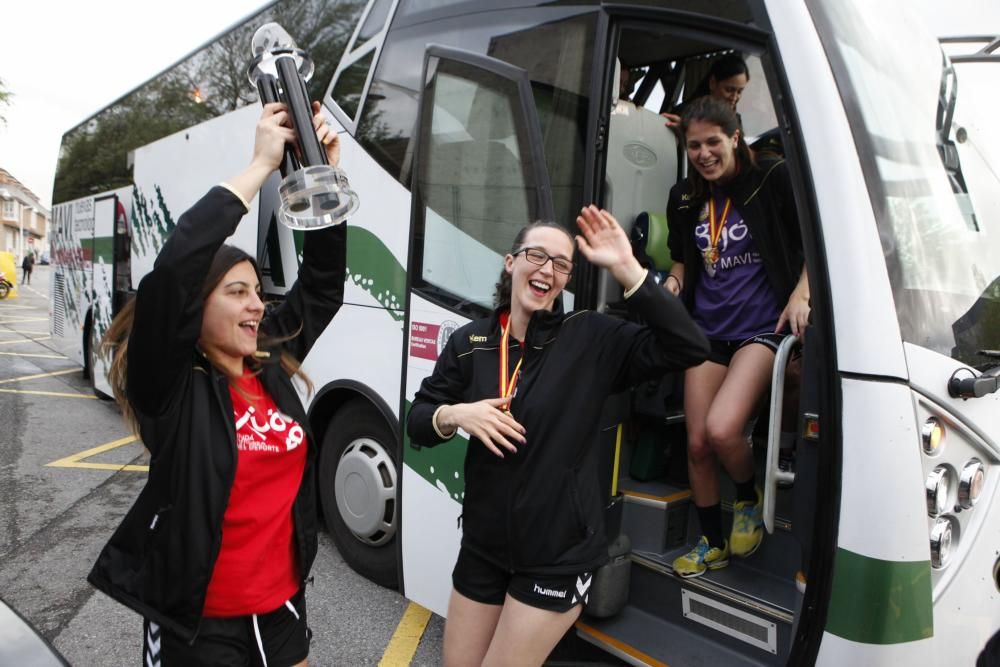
540,510
160,559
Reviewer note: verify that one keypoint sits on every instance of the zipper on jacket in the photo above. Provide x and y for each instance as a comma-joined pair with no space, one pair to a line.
217,380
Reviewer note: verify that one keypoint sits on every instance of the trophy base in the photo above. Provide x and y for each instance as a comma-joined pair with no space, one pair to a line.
316,197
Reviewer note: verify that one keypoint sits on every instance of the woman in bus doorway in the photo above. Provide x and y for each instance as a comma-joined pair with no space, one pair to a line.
726,80
738,267
527,384
215,552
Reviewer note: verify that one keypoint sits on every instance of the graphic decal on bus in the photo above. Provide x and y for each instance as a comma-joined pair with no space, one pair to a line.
372,267
442,466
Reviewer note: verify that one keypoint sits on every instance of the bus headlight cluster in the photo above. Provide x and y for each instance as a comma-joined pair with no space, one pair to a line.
937,486
949,490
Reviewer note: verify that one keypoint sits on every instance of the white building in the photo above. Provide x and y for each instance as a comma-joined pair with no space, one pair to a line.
23,219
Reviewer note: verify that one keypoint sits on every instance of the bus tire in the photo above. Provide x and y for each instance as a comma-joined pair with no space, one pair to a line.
358,487
4,290
88,368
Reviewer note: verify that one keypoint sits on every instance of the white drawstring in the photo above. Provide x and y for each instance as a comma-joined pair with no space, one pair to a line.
291,608
260,644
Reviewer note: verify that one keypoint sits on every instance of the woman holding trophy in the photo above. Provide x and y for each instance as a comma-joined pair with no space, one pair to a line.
215,552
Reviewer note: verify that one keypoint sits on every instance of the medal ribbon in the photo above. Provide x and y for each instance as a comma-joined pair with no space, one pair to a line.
507,387
715,226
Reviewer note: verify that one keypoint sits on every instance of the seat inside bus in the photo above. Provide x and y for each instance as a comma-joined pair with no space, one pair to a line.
641,168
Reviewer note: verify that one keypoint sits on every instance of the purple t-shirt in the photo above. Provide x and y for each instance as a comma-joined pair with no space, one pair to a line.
732,300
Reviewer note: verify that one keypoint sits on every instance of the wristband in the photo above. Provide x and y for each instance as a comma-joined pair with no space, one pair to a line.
680,286
437,429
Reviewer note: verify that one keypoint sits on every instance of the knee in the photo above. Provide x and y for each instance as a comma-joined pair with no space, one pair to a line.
699,449
722,434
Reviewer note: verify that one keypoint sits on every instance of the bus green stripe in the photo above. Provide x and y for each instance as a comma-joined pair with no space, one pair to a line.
879,601
442,466
102,247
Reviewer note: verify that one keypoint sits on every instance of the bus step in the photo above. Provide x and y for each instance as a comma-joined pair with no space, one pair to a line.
639,637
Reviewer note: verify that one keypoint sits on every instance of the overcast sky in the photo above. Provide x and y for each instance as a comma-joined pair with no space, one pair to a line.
66,60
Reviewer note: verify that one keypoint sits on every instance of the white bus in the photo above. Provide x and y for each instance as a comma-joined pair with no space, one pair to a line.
462,120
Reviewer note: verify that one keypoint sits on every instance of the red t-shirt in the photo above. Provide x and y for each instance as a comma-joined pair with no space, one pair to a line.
257,569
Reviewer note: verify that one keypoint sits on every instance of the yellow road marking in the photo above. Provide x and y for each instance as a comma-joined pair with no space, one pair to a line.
32,355
21,320
44,393
25,333
404,642
40,375
19,307
76,460
24,340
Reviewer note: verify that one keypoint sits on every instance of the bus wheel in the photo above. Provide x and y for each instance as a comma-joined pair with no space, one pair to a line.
358,488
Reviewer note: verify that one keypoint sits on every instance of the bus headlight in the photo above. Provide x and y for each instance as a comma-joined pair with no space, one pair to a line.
932,435
971,483
937,486
941,542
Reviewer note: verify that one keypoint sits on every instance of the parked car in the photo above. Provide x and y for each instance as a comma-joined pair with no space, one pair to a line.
21,644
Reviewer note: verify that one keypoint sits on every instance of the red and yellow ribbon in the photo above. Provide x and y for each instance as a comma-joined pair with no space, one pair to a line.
507,387
715,226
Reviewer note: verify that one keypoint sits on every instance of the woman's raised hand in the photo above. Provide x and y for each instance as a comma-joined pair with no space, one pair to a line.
273,131
604,244
327,137
486,421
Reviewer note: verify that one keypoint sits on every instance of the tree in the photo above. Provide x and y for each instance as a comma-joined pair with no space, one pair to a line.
5,96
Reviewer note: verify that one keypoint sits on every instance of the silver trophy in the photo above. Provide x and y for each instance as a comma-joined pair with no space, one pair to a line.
313,193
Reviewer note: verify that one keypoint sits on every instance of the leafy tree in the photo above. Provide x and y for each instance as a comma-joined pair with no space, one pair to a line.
211,82
5,96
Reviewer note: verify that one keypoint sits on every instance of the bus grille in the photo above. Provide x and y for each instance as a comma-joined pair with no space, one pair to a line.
730,621
58,305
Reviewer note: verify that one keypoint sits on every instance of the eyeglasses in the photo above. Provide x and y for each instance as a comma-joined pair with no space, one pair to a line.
539,257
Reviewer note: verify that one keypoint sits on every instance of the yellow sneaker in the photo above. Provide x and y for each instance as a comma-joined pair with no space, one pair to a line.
748,526
702,557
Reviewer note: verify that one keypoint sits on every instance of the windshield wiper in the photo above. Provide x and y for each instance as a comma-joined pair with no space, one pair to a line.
976,386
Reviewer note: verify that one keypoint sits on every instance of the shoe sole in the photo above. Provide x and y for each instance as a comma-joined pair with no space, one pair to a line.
718,565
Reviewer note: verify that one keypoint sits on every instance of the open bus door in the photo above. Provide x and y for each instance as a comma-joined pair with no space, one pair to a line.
479,176
110,280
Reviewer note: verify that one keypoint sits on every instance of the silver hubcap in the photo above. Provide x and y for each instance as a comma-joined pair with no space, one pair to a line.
365,487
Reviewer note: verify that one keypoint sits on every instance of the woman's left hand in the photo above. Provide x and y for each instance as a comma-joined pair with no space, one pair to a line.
795,314
327,137
605,244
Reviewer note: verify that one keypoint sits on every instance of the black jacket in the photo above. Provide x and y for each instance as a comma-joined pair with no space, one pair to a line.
763,195
160,559
540,510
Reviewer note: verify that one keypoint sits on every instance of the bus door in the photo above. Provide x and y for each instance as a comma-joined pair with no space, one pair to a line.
479,176
110,279
650,61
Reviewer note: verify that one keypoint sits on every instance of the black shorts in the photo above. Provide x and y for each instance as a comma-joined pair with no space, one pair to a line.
482,581
723,350
281,637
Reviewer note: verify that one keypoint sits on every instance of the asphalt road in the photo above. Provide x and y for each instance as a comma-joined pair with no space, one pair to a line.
55,519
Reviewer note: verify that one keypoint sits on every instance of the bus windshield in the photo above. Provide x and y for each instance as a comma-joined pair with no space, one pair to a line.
931,173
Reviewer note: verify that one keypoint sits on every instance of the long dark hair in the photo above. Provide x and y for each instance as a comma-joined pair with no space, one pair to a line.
115,341
710,110
724,67
501,297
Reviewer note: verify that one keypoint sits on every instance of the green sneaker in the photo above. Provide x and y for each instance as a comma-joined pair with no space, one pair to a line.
702,557
748,526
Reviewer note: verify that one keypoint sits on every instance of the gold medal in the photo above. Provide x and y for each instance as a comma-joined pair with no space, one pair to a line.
715,227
